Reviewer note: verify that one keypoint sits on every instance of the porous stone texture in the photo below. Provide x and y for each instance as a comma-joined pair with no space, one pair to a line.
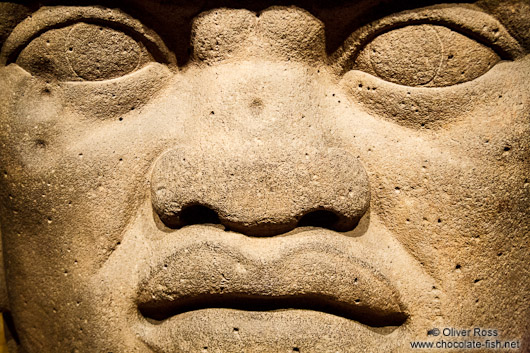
264,176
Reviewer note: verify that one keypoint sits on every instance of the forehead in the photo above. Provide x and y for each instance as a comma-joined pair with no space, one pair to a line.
173,18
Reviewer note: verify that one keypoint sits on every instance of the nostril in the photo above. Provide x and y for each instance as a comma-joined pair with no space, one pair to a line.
320,218
198,214
329,220
193,214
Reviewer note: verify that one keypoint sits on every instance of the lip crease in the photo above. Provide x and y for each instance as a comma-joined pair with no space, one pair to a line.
311,276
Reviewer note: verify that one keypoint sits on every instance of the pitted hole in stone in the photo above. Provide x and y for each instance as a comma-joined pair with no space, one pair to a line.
198,214
40,143
256,106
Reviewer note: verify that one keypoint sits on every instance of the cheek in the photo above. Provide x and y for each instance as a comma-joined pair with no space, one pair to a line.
455,195
456,199
67,192
51,193
70,180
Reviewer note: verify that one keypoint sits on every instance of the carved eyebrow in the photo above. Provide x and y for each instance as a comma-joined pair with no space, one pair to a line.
48,18
483,28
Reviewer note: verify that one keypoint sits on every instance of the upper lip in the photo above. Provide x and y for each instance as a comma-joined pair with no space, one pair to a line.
306,275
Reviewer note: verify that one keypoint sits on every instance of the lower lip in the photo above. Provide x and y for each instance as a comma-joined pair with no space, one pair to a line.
290,330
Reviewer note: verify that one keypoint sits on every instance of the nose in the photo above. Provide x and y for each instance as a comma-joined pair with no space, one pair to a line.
260,192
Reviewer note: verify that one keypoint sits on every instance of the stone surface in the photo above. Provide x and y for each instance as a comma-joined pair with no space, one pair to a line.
264,177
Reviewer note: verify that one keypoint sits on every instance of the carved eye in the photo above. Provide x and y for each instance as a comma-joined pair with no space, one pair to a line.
425,55
83,51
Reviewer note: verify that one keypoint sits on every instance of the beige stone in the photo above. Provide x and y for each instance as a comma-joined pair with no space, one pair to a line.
264,177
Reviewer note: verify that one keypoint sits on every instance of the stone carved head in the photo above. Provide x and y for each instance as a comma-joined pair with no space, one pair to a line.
267,177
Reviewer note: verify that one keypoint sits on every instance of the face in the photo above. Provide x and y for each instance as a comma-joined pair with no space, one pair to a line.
305,178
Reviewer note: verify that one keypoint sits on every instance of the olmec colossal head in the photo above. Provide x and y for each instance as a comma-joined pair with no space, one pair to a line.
263,177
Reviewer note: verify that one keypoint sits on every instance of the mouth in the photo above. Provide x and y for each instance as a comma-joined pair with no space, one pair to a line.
158,311
303,278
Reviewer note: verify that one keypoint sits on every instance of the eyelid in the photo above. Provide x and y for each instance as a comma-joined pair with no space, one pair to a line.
48,18
483,28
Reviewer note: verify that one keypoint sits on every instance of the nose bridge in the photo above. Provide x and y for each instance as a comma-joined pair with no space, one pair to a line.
258,156
260,191
258,99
